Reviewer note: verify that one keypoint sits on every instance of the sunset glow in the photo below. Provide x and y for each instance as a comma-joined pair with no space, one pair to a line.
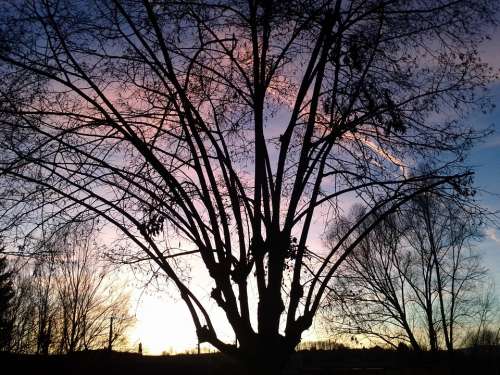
239,178
163,326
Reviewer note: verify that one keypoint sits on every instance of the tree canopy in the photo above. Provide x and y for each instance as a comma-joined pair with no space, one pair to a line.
232,127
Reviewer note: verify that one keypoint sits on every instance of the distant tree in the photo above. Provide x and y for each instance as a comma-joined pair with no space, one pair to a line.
486,329
369,298
46,307
442,233
64,300
484,337
417,275
23,314
230,128
6,294
86,296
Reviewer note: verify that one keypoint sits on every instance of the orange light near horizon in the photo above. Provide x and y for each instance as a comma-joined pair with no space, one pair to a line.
163,326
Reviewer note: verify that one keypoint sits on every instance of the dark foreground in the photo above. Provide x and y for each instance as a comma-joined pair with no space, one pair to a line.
338,362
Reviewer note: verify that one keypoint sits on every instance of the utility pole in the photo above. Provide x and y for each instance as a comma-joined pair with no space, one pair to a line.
110,339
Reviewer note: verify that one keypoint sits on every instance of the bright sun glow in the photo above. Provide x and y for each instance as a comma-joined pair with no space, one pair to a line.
163,325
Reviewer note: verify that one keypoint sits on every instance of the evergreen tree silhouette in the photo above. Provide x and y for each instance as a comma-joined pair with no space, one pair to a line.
6,294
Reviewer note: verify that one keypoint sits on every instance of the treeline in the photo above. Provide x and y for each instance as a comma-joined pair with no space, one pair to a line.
416,280
62,298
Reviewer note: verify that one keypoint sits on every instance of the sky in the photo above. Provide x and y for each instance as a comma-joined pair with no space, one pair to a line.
163,322
485,159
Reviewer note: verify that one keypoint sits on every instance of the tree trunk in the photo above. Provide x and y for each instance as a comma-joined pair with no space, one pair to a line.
267,361
268,356
431,331
413,341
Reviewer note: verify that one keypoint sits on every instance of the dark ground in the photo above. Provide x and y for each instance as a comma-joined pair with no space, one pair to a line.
338,362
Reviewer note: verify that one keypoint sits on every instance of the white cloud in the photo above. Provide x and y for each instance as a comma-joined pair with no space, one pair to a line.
491,233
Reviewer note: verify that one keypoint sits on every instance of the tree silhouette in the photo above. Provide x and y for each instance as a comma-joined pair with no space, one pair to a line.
64,299
88,300
6,294
415,279
231,127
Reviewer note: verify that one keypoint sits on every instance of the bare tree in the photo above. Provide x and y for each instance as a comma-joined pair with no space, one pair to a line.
64,301
45,301
22,315
442,233
33,309
416,276
231,127
370,298
486,330
88,300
